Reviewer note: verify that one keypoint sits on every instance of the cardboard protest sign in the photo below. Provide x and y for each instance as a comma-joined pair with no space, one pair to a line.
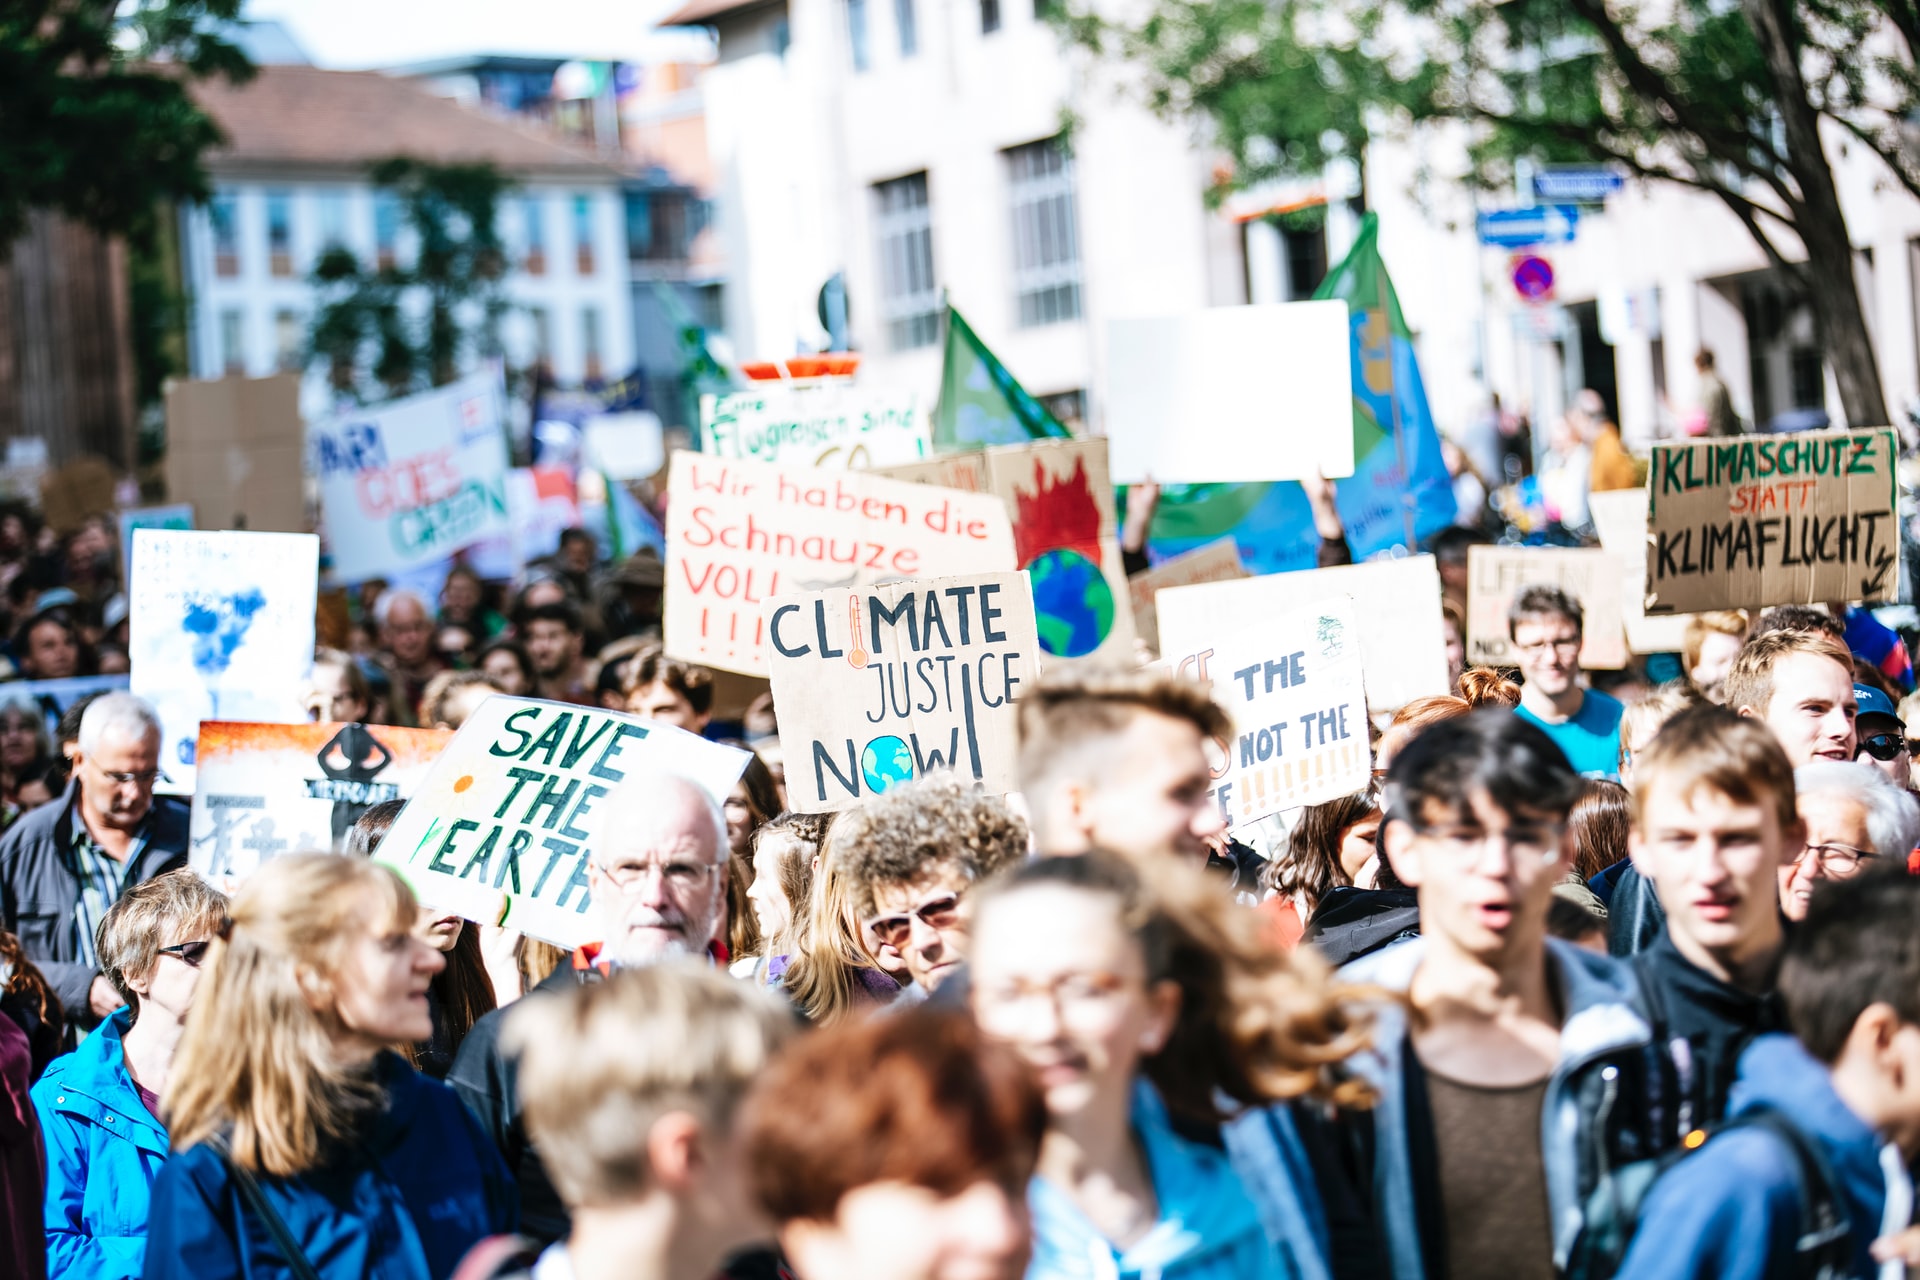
82,488
51,698
261,790
1496,574
221,628
740,533
823,424
501,827
1620,518
880,685
1402,636
177,516
1215,562
234,450
1293,685
964,471
414,480
1231,394
1761,520
1065,535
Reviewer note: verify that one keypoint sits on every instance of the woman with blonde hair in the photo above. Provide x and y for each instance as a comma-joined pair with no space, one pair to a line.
305,1145
835,970
1163,1029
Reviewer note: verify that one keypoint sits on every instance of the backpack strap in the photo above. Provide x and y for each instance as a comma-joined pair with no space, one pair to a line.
256,1202
499,1258
1825,1234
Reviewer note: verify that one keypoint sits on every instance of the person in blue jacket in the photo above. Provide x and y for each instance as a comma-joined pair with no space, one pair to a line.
1848,1086
305,1145
100,1105
1145,1000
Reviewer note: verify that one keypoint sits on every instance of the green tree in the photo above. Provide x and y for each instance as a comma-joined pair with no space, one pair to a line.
91,125
1726,98
389,329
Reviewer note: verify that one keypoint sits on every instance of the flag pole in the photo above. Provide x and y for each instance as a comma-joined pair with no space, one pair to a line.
1393,395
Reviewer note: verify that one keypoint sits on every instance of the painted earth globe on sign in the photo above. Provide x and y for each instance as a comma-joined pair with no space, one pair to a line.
886,763
1072,603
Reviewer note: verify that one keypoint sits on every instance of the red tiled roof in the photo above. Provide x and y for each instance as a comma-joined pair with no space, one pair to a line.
303,117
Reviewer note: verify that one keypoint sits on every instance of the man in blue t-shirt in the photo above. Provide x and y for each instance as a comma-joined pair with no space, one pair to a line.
1545,626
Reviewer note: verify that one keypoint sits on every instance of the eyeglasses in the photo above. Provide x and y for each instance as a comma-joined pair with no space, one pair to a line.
192,953
145,777
680,877
1541,843
1837,859
938,913
1568,644
1882,746
1069,990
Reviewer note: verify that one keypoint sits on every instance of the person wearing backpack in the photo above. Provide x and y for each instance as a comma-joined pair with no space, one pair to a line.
1714,820
1811,1167
1503,1032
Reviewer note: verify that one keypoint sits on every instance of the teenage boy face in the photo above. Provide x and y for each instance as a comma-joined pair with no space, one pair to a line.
1715,863
1548,650
1812,710
1485,876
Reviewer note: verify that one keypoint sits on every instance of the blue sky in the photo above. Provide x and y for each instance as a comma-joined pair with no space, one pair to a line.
348,34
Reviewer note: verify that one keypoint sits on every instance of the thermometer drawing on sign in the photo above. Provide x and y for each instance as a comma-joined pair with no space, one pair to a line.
857,654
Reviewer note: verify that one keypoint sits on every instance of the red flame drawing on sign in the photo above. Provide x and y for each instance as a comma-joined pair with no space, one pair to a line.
1056,514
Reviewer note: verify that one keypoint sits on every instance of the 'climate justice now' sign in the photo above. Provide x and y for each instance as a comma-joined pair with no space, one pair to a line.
502,827
1762,520
740,533
879,686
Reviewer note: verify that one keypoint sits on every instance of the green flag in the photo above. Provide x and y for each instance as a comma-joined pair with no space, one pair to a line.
980,402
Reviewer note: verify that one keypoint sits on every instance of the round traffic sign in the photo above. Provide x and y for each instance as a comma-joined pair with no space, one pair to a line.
1532,277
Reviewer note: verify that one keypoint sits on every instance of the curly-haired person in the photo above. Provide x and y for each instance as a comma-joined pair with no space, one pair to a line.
914,856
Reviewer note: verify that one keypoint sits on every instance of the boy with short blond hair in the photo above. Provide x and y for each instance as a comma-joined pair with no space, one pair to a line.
1714,820
1800,685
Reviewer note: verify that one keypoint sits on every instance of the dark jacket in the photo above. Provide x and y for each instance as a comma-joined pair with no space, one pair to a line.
488,1082
1732,1210
38,891
405,1203
1599,1112
1715,1021
1350,923
23,1165
1635,918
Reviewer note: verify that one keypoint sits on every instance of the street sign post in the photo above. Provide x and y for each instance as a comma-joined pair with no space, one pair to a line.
1589,185
1518,228
1532,277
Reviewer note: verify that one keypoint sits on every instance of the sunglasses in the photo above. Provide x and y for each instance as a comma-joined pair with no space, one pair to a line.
893,931
1883,746
190,952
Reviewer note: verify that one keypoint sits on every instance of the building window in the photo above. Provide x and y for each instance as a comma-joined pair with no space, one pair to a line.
331,207
233,341
289,342
533,231
386,230
280,233
989,17
590,341
857,33
909,301
1306,259
1046,243
583,234
1069,408
904,20
223,214
542,334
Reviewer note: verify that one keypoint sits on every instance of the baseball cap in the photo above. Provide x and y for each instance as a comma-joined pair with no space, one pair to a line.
1874,702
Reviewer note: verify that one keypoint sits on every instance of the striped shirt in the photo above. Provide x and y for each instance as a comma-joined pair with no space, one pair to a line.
101,880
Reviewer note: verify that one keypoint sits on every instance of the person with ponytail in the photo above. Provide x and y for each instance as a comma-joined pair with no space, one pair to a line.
1162,1029
305,1146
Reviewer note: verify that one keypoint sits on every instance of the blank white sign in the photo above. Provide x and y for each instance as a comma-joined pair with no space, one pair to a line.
1231,393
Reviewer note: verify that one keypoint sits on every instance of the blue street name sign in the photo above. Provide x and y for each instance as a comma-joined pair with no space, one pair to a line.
1517,228
1577,186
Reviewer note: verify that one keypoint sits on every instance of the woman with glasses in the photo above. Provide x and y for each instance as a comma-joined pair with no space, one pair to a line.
1151,1011
1855,817
99,1106
304,1143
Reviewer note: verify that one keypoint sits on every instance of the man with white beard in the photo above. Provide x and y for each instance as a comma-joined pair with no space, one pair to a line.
656,883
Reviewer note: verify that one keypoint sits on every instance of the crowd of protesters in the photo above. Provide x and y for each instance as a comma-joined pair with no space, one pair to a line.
1585,983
